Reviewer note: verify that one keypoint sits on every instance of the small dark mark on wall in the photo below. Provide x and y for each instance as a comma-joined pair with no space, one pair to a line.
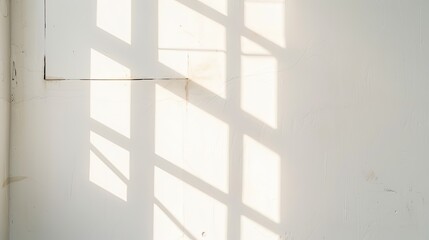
11,180
14,73
44,66
371,177
389,190
187,90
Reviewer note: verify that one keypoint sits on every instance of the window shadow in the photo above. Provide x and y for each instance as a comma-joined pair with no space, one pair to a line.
199,157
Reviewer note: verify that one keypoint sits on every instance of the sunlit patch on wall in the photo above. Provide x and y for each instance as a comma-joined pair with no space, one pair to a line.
114,17
109,106
190,138
168,191
259,88
170,112
103,176
186,36
176,60
261,179
206,149
110,101
250,47
251,230
208,69
164,226
204,214
116,155
266,18
180,27
181,209
103,67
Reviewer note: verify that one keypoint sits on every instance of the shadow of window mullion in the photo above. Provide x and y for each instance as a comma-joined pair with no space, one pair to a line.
111,47
106,161
260,219
174,219
191,180
110,134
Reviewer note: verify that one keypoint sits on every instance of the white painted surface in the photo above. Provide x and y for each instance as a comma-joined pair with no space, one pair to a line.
302,120
156,39
4,115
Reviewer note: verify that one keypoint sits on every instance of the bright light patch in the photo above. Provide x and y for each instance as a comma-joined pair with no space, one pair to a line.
114,17
251,230
203,213
164,227
261,179
110,105
206,148
190,138
250,47
103,67
208,69
169,123
101,175
168,190
259,88
176,60
184,209
116,155
193,44
181,27
266,18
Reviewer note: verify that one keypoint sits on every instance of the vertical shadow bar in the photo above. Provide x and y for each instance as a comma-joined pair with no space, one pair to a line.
141,188
233,90
142,122
281,99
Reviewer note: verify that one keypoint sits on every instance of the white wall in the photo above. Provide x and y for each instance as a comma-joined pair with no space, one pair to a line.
4,115
316,128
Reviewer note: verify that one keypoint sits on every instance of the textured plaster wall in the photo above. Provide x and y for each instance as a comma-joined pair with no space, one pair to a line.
317,130
4,114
